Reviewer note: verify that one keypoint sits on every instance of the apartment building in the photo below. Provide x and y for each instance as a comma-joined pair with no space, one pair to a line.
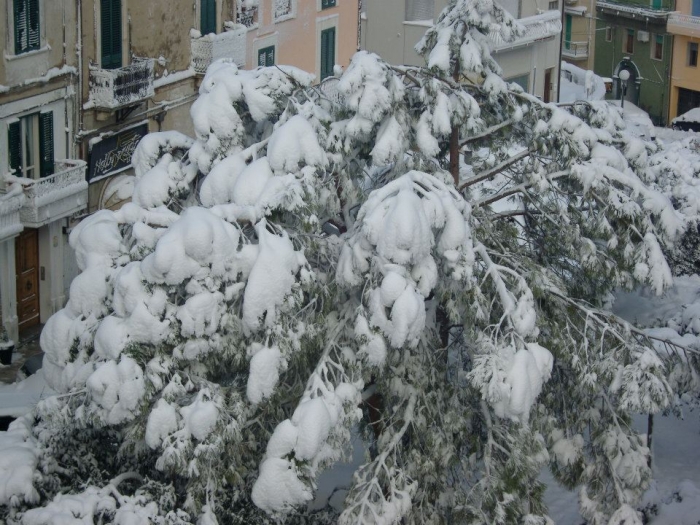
578,42
632,36
684,25
391,28
41,188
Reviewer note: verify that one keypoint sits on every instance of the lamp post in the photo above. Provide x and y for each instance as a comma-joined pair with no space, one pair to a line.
624,77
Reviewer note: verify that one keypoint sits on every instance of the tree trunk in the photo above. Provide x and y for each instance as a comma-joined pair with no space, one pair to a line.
454,139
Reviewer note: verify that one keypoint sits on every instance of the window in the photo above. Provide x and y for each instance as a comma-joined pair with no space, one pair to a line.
207,13
629,41
419,10
695,10
111,38
266,56
26,13
608,34
30,144
325,4
327,52
657,47
692,54
282,8
554,6
523,81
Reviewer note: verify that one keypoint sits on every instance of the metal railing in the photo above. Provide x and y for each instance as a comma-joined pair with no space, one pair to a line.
537,27
116,88
247,16
282,8
229,44
10,223
575,49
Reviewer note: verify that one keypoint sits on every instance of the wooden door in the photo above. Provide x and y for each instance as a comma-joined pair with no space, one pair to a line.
27,269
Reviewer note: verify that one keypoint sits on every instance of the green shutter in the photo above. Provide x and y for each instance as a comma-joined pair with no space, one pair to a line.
26,19
33,25
266,56
111,27
325,4
208,16
14,147
46,143
327,52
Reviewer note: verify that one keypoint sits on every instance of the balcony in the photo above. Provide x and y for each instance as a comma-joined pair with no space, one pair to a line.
647,13
10,223
575,50
247,16
680,24
208,48
537,28
112,89
50,198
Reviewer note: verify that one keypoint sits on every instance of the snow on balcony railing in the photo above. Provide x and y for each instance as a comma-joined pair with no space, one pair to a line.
55,196
247,16
537,27
282,8
632,11
229,44
686,21
10,223
575,49
116,88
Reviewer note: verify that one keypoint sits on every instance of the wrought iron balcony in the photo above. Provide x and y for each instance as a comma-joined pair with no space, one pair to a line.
229,44
247,16
575,50
50,198
112,89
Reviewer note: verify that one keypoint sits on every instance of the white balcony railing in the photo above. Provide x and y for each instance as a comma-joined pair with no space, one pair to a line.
115,88
10,223
681,24
537,27
634,11
575,49
50,198
229,44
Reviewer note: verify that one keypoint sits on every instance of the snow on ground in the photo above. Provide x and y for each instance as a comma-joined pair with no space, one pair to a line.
18,399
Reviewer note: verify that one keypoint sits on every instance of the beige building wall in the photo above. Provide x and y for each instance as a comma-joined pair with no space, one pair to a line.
386,31
297,36
685,30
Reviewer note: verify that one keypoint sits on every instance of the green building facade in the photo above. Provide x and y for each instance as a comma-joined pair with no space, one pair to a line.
631,35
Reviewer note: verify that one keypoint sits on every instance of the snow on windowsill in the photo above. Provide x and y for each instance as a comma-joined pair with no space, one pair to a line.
419,23
28,54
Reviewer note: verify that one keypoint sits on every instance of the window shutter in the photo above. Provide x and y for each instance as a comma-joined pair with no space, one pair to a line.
20,12
270,58
327,52
208,16
14,147
111,26
46,143
327,3
33,25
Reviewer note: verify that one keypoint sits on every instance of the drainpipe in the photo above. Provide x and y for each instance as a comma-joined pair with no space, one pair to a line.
561,47
359,24
79,94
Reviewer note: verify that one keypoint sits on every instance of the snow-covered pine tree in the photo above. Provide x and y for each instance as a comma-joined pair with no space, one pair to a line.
222,345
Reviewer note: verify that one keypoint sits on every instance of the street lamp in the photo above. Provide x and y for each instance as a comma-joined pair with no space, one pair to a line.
624,77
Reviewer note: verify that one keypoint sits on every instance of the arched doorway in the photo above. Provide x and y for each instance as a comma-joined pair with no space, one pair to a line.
632,84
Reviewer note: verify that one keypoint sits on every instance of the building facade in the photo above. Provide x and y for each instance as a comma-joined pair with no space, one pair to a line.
41,188
313,35
684,25
632,36
579,32
391,28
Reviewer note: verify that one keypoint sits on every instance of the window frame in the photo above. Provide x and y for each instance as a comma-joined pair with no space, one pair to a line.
16,29
262,51
655,46
692,52
37,162
327,31
629,41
